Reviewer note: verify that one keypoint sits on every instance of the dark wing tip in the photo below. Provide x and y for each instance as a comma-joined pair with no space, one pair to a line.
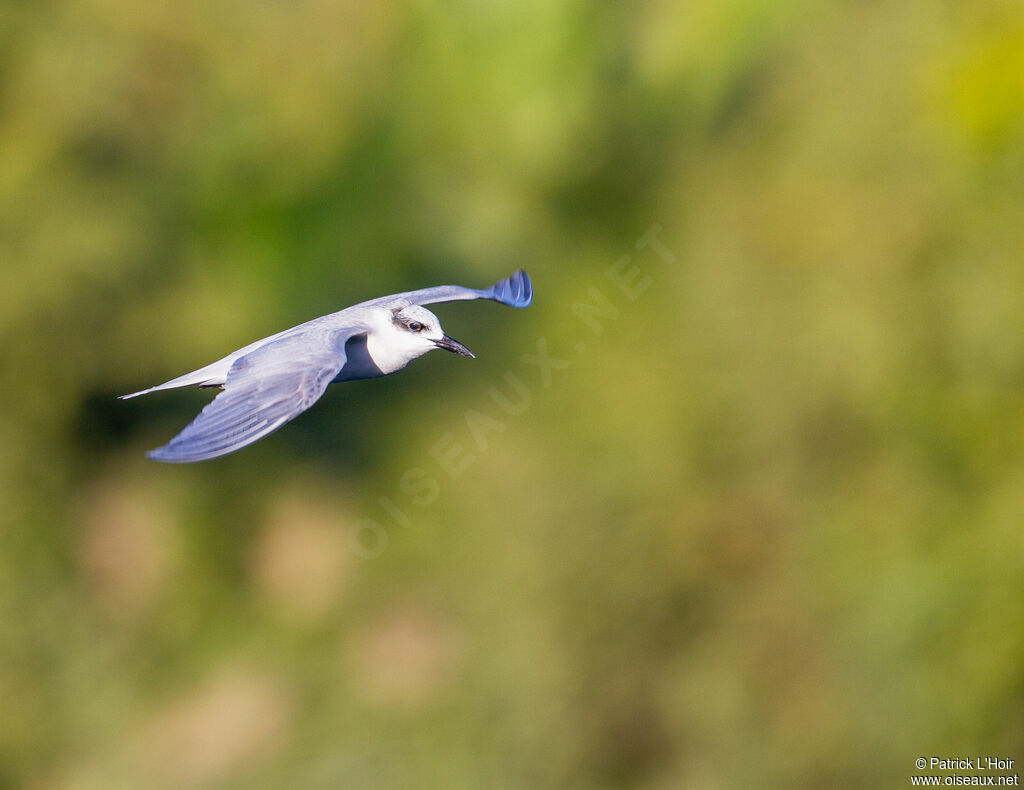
515,291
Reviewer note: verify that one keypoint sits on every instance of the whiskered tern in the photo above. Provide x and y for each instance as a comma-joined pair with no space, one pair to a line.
269,382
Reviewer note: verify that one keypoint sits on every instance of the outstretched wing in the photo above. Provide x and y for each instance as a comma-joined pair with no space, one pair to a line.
515,291
264,389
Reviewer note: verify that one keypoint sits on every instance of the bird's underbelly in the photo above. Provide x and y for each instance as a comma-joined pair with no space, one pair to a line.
358,363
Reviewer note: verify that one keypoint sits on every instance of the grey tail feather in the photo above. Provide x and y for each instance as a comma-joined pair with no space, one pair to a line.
170,385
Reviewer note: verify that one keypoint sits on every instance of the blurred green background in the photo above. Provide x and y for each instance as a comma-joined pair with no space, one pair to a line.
762,527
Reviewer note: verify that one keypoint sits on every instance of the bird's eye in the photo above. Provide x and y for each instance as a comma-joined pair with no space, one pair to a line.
415,326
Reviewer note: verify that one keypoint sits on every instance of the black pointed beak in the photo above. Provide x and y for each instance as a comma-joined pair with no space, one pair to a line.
453,345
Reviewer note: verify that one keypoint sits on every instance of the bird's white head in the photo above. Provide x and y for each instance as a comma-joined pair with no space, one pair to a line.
402,335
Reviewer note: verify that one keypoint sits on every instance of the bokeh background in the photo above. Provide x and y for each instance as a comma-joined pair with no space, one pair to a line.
760,527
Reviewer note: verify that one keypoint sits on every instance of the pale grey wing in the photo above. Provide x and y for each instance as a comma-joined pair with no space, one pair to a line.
515,291
264,389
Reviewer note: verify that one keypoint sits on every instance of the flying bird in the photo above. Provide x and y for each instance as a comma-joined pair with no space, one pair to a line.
269,382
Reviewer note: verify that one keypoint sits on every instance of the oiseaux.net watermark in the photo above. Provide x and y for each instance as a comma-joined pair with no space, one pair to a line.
969,771
452,453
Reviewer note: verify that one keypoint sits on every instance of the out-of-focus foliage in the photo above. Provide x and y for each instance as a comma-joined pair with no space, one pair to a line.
760,526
